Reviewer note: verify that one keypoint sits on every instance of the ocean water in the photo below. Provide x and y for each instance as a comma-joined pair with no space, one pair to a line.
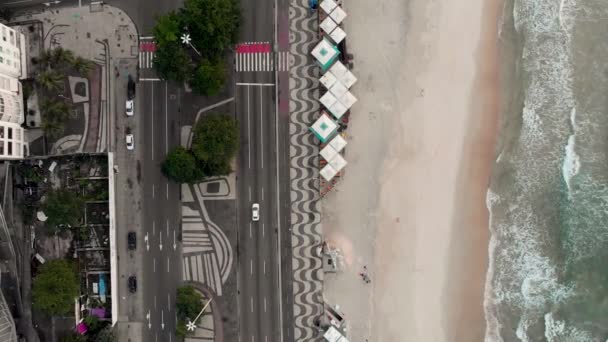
548,197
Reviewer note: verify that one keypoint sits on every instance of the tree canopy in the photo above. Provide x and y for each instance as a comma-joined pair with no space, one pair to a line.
213,26
55,287
182,167
189,304
63,207
215,142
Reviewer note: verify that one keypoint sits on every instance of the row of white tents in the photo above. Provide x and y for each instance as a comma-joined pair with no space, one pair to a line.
337,80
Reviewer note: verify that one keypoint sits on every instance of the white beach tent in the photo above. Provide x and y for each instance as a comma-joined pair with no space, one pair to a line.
328,5
333,335
338,162
338,89
324,128
337,35
325,53
337,109
328,99
328,25
328,172
327,80
338,143
338,14
328,153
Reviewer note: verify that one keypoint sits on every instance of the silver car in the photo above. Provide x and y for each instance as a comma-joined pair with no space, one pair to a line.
255,212
130,142
129,107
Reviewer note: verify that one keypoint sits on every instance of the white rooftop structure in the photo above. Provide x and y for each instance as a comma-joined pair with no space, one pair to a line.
338,143
348,99
337,109
338,89
333,335
324,128
328,99
337,35
338,14
338,69
328,25
338,162
328,153
328,172
327,80
325,53
348,79
328,5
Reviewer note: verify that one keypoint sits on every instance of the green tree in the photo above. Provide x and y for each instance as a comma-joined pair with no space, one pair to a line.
212,24
167,29
181,166
60,58
55,113
55,287
209,78
173,63
215,142
63,207
82,66
74,337
106,335
50,79
189,304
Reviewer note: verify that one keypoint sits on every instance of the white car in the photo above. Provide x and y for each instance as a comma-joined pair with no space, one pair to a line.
129,107
255,212
130,142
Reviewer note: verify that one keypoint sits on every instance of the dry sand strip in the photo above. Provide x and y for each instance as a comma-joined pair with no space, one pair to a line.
421,146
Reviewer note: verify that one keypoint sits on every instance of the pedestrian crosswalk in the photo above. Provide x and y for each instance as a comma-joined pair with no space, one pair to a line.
147,50
262,61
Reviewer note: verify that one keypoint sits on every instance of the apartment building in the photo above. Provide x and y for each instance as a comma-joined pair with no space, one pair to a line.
13,67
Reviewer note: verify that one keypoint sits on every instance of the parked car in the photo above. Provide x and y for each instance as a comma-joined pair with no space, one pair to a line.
255,212
130,142
132,240
131,88
129,107
132,284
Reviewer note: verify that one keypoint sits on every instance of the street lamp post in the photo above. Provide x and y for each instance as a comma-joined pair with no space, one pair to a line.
187,40
192,324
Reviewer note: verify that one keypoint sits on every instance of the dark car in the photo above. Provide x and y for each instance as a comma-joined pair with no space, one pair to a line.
131,88
132,240
132,284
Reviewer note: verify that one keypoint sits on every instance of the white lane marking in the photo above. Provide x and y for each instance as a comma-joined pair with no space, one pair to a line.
141,57
261,130
251,304
152,119
17,2
167,228
160,238
168,264
146,37
154,265
264,304
263,230
162,319
156,337
264,266
169,302
250,231
255,84
152,190
154,302
167,190
249,194
166,127
153,227
150,79
251,266
262,193
248,128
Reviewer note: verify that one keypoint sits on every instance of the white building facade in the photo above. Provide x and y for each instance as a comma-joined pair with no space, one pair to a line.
12,68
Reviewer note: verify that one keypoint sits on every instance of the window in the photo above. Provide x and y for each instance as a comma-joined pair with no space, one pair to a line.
9,150
10,133
1,59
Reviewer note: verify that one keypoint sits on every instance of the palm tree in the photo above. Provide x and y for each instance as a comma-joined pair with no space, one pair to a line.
82,66
52,128
52,80
60,57
55,110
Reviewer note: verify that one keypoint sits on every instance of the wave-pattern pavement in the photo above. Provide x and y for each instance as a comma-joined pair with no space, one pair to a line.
304,173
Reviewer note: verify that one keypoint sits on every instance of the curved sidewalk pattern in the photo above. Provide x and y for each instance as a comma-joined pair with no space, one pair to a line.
207,253
304,151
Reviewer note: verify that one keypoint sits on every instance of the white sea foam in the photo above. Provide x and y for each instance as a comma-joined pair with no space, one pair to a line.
571,164
493,326
557,330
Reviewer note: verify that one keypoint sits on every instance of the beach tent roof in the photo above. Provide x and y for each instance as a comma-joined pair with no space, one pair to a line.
333,335
338,69
328,99
324,127
325,53
348,79
328,79
348,99
337,35
338,162
328,5
338,143
338,89
337,109
328,25
328,153
338,14
328,172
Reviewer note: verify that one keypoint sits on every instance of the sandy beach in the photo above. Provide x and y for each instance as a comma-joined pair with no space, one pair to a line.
412,204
